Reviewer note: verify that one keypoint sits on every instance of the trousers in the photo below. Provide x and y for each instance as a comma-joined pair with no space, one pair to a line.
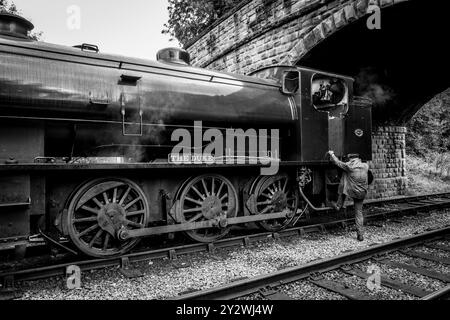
359,216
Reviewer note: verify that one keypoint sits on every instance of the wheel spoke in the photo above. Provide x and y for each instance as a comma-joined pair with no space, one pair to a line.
94,227
132,203
114,200
99,233
285,185
134,224
225,196
134,213
105,197
98,203
220,188
192,210
263,203
89,209
267,196
205,187
198,192
81,220
194,201
125,195
212,186
267,209
196,217
106,241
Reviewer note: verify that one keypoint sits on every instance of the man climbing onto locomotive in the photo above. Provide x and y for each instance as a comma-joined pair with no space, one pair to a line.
354,184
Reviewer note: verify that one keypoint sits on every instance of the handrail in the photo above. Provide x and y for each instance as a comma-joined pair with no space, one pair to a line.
16,204
310,204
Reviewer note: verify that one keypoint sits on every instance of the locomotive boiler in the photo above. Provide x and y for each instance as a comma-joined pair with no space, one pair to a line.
86,140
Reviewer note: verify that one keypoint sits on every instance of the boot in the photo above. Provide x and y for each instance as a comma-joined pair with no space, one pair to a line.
360,237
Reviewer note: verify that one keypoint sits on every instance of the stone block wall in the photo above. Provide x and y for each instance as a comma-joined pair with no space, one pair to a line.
389,163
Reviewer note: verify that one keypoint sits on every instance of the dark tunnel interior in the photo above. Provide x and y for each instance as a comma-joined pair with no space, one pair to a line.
401,66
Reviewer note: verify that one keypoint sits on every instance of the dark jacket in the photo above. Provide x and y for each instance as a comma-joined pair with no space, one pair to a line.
354,181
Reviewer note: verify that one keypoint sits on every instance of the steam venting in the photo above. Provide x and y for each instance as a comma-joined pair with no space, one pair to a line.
370,85
15,26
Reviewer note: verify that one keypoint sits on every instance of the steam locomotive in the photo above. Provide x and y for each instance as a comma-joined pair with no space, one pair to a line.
86,141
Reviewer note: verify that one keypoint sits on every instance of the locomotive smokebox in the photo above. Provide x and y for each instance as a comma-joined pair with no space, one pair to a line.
174,55
15,26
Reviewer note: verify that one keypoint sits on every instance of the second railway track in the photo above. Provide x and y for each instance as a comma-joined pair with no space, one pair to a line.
315,273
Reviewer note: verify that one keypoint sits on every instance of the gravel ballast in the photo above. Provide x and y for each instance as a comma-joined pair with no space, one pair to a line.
164,279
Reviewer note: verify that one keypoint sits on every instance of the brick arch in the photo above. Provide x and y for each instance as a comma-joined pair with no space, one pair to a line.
348,14
261,33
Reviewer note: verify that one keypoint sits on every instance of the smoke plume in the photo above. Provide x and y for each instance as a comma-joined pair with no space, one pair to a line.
370,84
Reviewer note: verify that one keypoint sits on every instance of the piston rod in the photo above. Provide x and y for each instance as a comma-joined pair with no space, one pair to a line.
125,234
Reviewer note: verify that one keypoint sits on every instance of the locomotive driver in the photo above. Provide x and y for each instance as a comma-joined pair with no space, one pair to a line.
354,184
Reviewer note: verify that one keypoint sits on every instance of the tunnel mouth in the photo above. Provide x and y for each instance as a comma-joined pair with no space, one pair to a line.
401,66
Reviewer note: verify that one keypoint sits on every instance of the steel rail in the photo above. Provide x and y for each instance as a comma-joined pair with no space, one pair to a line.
250,286
171,252
444,292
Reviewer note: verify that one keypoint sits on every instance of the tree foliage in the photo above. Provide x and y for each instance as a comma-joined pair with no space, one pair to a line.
10,7
429,130
6,6
189,18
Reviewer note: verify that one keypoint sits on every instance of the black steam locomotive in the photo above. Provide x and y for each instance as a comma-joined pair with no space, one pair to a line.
87,144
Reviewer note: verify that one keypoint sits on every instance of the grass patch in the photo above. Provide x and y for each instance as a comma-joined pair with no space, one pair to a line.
428,175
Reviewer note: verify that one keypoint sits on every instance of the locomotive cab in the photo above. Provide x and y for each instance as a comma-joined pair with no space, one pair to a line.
330,118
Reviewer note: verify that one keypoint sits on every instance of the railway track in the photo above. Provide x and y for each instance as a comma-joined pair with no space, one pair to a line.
315,273
395,208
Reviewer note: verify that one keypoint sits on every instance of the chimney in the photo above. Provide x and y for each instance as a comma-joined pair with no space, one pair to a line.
14,26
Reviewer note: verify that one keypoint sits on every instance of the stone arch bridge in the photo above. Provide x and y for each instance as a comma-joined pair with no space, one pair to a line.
401,66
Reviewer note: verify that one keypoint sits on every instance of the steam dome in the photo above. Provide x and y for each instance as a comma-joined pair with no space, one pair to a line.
174,55
12,25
